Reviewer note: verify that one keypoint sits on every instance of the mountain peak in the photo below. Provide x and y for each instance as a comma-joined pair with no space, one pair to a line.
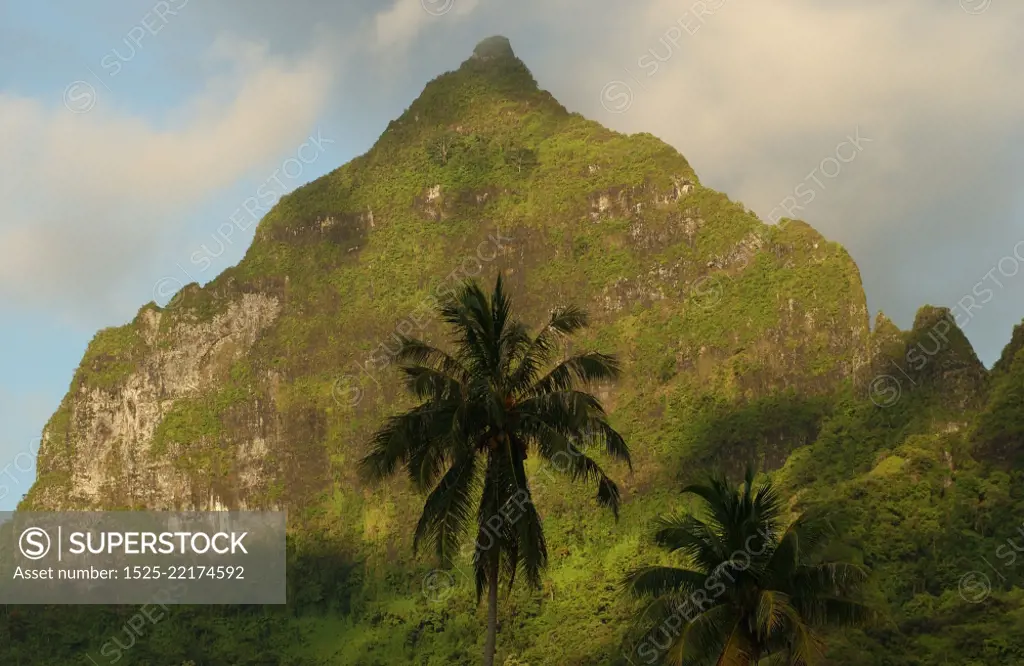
474,96
494,59
493,48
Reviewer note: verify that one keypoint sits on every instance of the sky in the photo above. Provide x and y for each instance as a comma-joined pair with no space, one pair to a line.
132,131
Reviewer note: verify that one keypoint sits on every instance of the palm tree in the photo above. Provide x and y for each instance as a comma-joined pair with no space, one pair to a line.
756,591
483,408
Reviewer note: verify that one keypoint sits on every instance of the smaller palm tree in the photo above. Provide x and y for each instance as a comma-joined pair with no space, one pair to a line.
756,591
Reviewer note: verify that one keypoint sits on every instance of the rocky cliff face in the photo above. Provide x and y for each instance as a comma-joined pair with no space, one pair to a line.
102,449
260,388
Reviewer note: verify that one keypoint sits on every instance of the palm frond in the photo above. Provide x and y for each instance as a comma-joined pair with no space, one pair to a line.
827,578
599,431
521,513
582,369
657,581
773,608
415,352
428,461
467,311
405,436
828,611
801,540
805,647
448,509
691,538
608,494
566,458
532,545
673,631
575,415
766,506
720,501
568,412
515,339
736,650
493,534
533,356
567,320
501,309
429,384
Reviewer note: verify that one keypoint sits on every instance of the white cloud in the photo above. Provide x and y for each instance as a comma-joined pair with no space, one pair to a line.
760,87
398,27
85,199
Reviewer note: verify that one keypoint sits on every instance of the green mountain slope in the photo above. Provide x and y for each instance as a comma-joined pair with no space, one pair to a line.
740,342
484,172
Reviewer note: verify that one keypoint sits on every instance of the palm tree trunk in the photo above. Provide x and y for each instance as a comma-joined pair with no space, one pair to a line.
492,612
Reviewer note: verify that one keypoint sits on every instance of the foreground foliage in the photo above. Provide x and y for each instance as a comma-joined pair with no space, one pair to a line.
758,591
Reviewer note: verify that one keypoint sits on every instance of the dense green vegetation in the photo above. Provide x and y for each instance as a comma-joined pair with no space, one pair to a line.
739,343
759,588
